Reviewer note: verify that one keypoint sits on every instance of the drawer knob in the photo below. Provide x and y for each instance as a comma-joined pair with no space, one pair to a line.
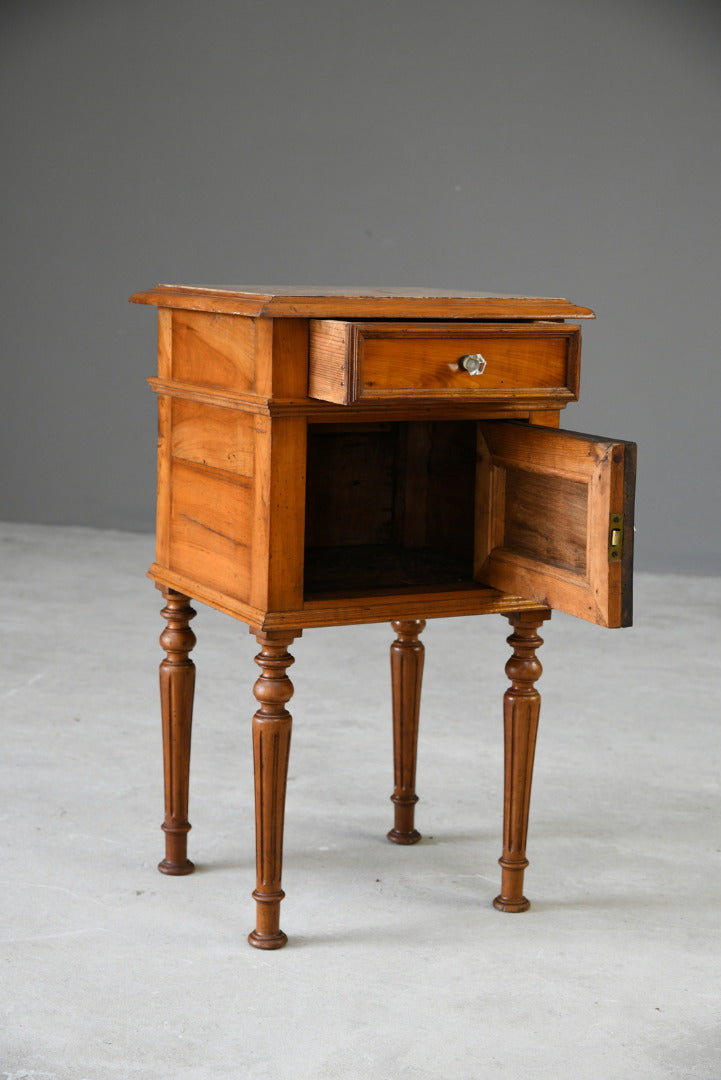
474,363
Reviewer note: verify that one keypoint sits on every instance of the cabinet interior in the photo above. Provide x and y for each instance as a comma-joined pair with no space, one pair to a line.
390,506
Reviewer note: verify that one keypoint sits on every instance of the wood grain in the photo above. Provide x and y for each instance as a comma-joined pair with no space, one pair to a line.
177,685
211,528
278,513
407,658
398,494
521,710
271,747
357,303
214,437
351,362
545,497
164,472
213,350
349,607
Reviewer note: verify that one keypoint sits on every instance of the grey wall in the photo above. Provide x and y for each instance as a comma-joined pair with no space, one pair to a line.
553,147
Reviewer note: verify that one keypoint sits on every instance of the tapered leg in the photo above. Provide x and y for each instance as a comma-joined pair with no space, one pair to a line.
271,746
407,654
521,708
177,683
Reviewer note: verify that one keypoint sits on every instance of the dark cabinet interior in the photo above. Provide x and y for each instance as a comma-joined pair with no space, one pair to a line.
389,505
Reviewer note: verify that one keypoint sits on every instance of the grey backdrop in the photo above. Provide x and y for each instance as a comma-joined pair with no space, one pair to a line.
552,147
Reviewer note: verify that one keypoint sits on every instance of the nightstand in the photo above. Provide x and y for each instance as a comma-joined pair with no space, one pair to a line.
342,456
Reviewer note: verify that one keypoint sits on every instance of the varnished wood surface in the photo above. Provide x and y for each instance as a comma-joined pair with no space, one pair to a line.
271,748
521,710
213,437
366,411
544,505
211,527
289,512
407,658
177,685
349,607
358,303
352,362
217,351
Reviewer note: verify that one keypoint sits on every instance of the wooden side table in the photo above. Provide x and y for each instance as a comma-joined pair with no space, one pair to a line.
328,457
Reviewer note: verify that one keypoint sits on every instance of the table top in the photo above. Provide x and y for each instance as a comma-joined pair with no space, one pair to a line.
328,302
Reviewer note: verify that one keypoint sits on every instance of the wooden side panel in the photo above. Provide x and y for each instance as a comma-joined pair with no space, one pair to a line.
281,362
165,342
331,369
213,350
544,504
162,513
211,436
278,513
211,528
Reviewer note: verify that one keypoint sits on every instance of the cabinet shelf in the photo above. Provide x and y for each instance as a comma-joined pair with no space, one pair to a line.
389,567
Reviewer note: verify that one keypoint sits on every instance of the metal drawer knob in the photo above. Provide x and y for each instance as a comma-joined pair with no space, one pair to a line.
474,363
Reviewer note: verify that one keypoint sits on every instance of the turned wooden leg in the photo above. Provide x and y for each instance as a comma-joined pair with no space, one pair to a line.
177,683
407,654
521,708
271,745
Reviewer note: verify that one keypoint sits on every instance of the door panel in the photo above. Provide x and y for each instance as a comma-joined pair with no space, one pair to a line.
547,501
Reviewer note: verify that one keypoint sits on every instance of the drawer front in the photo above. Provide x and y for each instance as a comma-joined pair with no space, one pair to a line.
525,364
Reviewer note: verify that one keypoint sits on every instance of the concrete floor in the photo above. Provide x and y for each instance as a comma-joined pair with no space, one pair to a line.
398,967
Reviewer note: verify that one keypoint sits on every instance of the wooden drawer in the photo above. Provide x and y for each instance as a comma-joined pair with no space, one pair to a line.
526,364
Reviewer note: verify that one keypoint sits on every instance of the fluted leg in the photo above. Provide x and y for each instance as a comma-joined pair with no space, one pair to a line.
521,708
177,683
271,746
407,654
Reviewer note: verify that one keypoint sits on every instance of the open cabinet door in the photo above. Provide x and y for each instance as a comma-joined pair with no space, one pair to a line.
555,518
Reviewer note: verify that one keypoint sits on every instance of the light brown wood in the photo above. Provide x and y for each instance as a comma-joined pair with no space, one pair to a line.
545,417
375,411
281,359
165,343
414,500
164,481
271,747
213,350
211,523
278,516
357,303
350,607
407,655
177,684
532,364
213,437
521,709
545,500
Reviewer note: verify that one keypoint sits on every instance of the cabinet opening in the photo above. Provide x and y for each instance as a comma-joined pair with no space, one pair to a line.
389,506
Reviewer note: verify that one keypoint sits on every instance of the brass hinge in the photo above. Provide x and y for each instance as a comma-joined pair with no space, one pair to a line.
615,537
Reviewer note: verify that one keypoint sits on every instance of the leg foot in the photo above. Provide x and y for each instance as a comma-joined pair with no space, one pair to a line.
271,747
407,655
267,934
177,684
521,709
